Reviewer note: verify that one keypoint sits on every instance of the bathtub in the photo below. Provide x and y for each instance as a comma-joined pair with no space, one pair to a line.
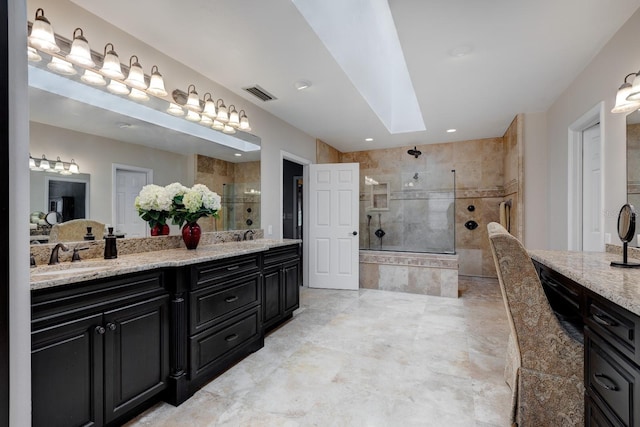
413,272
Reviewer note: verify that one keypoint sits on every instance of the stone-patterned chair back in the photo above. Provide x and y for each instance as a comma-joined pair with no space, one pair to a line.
75,230
549,371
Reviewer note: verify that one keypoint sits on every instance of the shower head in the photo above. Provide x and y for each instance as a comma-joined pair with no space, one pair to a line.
414,152
415,176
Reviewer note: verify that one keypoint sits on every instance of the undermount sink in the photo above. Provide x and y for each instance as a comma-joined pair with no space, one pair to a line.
69,270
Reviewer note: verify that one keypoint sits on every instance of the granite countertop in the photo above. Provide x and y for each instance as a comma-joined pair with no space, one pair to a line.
593,271
48,276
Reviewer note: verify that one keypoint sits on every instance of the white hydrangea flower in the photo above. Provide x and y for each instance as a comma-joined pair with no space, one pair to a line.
192,201
153,198
175,189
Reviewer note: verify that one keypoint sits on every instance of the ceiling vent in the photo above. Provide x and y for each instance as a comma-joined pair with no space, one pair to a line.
260,93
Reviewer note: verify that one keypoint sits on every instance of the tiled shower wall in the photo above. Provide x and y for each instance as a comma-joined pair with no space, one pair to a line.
633,171
485,170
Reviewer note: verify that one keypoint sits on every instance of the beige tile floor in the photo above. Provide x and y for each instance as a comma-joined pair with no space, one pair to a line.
366,358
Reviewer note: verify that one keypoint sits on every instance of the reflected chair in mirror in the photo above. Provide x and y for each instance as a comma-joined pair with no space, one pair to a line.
545,366
75,230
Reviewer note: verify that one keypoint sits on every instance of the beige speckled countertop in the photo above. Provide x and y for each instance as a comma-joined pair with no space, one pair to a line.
593,271
67,273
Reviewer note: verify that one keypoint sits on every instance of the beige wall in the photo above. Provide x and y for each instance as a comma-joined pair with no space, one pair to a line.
325,153
597,83
535,181
96,155
512,163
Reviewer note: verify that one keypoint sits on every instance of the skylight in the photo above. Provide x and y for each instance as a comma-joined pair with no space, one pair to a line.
362,38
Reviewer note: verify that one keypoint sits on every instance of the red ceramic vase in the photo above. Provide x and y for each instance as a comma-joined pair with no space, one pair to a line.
160,230
191,234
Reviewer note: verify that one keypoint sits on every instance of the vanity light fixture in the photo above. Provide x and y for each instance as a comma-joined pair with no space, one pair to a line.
228,130
192,116
175,110
32,162
209,107
61,66
623,104
238,154
73,167
193,102
135,78
42,36
234,118
223,115
244,121
42,164
634,96
205,120
368,139
156,83
217,125
118,88
32,55
93,78
58,166
80,51
451,130
111,65
138,95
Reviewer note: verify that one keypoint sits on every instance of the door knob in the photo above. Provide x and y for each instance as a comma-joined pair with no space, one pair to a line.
355,233
111,326
100,330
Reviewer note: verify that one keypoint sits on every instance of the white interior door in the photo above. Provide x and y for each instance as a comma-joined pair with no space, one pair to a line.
333,225
128,186
592,232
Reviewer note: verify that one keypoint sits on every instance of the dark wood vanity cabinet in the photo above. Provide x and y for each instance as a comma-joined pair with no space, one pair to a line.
280,284
100,349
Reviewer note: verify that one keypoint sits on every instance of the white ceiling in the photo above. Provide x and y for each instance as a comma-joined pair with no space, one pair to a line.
523,55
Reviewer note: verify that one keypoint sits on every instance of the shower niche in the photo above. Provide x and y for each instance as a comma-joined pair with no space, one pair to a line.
380,196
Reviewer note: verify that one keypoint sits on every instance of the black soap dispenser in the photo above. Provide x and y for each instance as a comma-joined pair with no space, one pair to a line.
110,250
89,235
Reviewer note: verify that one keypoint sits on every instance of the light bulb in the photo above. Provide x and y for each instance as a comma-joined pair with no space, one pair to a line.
42,36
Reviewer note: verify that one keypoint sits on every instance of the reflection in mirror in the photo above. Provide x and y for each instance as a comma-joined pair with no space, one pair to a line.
626,230
633,162
99,138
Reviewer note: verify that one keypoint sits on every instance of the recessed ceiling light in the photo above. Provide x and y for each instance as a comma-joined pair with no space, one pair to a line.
368,139
302,84
460,51
451,130
238,155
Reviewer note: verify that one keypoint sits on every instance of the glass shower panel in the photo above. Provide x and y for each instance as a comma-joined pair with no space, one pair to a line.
241,206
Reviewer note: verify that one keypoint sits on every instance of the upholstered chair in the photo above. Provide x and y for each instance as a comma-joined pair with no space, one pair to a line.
74,230
545,367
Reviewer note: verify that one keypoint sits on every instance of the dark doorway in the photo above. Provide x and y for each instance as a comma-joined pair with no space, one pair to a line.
292,213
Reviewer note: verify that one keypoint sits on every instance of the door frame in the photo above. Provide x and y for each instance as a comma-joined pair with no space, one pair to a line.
284,155
574,170
115,167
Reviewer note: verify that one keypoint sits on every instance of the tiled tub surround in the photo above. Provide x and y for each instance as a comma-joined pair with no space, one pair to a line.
416,273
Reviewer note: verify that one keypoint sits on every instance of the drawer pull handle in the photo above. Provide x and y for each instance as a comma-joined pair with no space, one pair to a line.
231,299
231,337
111,326
604,381
606,321
100,330
233,267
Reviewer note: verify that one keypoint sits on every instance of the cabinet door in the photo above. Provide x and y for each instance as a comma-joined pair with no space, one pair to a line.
66,373
291,287
136,354
272,285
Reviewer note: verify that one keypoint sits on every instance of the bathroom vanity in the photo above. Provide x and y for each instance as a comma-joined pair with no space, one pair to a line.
601,304
112,337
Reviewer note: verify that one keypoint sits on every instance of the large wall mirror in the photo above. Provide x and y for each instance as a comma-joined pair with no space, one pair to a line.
633,162
98,138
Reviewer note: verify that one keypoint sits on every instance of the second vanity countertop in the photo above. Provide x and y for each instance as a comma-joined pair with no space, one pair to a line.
67,273
593,270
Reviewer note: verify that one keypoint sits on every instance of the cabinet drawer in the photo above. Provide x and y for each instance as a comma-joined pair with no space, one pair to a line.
280,254
211,272
594,417
615,325
215,343
209,305
611,380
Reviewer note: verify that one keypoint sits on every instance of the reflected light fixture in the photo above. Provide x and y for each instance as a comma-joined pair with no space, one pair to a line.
302,84
209,106
73,167
206,121
634,95
234,118
244,122
80,51
156,83
42,36
217,125
175,110
135,78
228,130
118,88
193,102
192,116
61,66
93,78
223,115
623,104
451,130
111,65
44,163
32,55
138,95
58,166
368,139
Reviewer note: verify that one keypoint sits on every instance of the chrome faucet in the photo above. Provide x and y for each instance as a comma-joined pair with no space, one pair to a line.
250,232
53,259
